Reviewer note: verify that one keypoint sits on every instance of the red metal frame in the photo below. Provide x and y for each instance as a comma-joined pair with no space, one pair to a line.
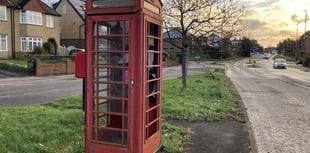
123,101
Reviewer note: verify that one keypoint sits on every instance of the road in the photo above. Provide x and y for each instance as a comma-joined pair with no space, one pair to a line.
38,90
277,103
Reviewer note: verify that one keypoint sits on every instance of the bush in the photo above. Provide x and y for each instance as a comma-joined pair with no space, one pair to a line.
306,61
38,50
12,67
47,47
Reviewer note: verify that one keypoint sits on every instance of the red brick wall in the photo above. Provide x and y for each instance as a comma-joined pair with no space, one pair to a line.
44,69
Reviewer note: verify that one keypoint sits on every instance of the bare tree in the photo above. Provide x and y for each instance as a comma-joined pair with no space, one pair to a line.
199,18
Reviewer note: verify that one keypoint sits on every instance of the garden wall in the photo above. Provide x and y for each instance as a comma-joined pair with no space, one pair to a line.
68,67
44,69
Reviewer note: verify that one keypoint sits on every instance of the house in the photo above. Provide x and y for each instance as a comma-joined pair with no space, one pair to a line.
72,22
25,24
173,36
305,43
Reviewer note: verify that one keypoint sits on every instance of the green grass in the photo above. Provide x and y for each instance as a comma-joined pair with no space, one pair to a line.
40,128
19,62
215,60
208,97
173,138
58,127
288,59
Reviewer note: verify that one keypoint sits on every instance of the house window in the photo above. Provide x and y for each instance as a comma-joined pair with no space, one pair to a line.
3,42
28,43
49,21
30,17
64,9
2,13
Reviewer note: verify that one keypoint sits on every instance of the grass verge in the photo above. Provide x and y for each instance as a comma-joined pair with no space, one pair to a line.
59,125
40,128
19,66
20,63
208,97
288,59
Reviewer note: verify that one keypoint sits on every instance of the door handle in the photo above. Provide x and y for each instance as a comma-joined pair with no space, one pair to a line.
132,83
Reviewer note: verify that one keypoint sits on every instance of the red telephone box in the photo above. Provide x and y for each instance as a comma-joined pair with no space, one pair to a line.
123,76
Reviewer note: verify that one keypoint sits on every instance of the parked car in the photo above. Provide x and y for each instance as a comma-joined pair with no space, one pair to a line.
279,63
72,50
266,56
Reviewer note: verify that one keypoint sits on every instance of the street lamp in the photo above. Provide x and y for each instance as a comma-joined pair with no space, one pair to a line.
296,51
305,20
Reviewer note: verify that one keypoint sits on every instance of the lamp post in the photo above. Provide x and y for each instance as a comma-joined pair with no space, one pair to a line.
305,20
296,52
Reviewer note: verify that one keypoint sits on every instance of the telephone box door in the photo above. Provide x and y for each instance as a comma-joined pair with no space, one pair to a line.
108,79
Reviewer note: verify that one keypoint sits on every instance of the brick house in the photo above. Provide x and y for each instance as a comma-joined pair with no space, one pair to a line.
25,24
305,43
72,22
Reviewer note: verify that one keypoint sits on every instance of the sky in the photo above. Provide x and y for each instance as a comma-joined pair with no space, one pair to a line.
272,21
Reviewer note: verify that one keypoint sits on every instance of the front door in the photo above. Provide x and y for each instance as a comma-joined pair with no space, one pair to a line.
110,68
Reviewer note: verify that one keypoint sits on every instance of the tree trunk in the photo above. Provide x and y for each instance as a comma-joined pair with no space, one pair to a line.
184,67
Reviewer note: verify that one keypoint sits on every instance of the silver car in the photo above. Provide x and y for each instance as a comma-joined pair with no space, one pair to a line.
279,63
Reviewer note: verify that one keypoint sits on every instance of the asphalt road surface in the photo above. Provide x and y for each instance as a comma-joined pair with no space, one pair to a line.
38,90
277,103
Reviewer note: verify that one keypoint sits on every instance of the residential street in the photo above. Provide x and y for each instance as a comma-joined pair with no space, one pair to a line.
37,90
277,104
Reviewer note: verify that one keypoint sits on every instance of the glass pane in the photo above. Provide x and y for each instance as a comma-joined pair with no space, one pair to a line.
94,28
115,43
113,59
102,90
153,73
100,75
126,27
108,105
107,135
112,3
116,28
153,44
153,30
102,120
94,46
103,44
115,90
152,86
110,44
111,28
125,138
103,28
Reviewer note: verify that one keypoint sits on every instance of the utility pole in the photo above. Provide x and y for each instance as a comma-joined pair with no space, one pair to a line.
305,20
296,41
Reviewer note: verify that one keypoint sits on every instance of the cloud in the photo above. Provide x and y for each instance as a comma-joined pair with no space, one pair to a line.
253,24
296,18
271,21
265,3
